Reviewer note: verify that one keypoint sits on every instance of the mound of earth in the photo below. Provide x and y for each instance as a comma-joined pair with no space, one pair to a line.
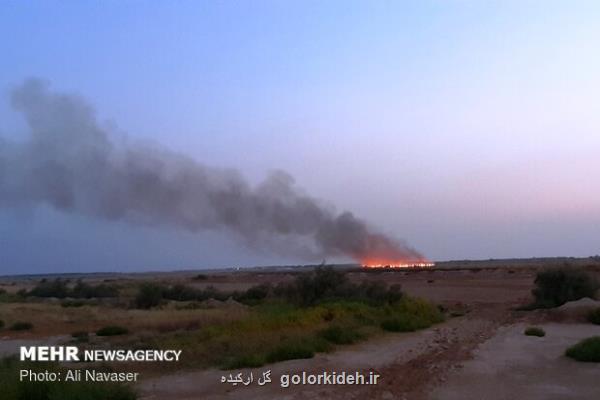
577,310
582,304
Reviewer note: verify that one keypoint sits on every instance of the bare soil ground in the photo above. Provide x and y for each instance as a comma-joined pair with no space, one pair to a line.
514,366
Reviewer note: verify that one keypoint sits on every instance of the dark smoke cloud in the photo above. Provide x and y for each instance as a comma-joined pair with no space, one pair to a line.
71,163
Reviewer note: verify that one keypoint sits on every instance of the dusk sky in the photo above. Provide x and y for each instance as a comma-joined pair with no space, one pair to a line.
468,129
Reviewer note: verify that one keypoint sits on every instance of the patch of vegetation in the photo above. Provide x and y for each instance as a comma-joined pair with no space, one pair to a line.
297,349
556,286
152,295
341,335
72,303
254,295
412,315
21,326
594,316
82,290
61,289
314,313
324,284
113,330
6,297
200,277
328,284
400,323
14,389
1,324
535,331
587,350
457,313
149,295
278,330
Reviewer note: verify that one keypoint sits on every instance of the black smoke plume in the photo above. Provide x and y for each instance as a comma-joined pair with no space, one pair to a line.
71,163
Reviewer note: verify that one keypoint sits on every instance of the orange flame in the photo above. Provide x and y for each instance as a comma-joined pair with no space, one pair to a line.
378,263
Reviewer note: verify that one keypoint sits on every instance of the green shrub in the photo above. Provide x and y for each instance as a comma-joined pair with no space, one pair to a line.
113,330
56,288
255,294
401,323
21,326
535,331
328,284
1,324
60,289
72,303
556,286
594,316
587,350
410,314
149,295
85,291
341,335
290,352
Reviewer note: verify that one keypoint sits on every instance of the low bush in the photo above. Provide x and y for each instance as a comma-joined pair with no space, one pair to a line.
113,330
409,315
341,335
21,326
1,324
82,290
291,351
328,284
587,350
72,303
401,323
324,284
556,286
594,316
254,295
149,295
535,331
59,288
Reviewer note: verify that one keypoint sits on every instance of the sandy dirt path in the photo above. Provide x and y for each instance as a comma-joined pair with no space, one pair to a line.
514,366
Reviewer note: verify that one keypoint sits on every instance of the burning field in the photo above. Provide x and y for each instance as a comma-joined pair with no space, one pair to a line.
397,264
